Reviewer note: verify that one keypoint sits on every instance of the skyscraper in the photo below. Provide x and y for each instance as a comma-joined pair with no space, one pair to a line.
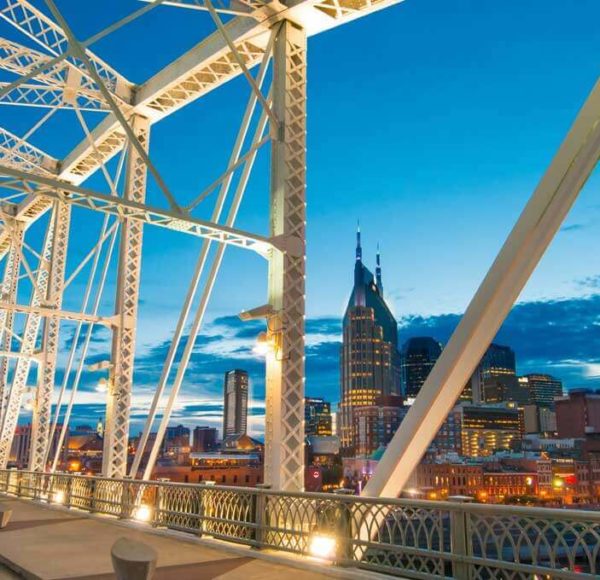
317,417
495,378
418,357
370,362
235,412
543,389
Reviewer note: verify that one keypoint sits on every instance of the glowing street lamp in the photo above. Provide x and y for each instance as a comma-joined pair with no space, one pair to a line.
102,386
322,546
143,513
264,344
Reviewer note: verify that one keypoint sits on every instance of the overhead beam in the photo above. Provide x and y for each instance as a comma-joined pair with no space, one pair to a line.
49,188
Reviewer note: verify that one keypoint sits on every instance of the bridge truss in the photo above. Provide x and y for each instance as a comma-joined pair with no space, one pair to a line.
49,72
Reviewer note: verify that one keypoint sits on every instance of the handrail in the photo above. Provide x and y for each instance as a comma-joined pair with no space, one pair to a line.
411,537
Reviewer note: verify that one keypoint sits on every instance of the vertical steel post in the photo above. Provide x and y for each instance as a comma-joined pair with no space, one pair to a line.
114,461
9,296
30,334
40,423
284,436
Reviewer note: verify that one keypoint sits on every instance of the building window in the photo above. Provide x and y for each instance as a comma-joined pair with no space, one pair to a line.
223,479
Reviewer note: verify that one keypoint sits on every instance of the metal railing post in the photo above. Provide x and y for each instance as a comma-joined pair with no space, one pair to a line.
459,540
124,500
260,515
157,506
92,495
69,492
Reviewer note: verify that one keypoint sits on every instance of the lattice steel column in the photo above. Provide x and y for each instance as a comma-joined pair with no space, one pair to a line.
9,295
284,437
40,424
114,461
29,337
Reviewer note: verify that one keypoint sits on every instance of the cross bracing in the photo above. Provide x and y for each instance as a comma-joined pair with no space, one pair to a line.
49,72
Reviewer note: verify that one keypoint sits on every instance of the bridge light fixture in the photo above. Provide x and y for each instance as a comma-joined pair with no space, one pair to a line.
58,497
322,546
142,513
264,344
102,386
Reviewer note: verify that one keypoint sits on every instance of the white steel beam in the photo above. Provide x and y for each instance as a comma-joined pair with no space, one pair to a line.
42,409
9,293
17,153
520,254
118,402
284,429
30,334
48,34
125,208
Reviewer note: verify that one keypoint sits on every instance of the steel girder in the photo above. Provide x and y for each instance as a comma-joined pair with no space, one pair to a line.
118,402
28,344
10,281
284,429
40,423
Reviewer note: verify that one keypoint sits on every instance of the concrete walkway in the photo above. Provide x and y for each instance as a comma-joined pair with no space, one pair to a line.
45,543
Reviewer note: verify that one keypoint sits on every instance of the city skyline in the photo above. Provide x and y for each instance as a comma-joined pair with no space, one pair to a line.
458,136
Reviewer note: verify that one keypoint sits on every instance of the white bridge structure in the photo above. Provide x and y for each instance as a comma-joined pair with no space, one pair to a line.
50,74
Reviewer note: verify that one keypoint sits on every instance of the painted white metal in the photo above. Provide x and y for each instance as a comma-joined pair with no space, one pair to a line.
284,429
40,422
125,208
30,334
200,264
527,242
118,401
9,294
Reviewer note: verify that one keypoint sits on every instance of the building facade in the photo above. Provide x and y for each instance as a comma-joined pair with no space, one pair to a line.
317,417
489,428
370,361
235,412
375,425
419,354
205,439
578,414
542,389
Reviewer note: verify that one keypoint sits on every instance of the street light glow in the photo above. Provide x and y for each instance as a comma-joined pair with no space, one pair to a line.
322,546
143,513
59,497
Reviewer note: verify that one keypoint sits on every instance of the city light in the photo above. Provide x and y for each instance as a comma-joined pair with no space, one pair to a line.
322,546
143,513
59,497
558,483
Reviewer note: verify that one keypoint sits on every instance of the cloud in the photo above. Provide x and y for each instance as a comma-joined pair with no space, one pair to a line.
561,337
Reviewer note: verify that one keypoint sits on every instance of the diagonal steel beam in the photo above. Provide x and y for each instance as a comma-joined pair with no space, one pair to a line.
519,256
49,188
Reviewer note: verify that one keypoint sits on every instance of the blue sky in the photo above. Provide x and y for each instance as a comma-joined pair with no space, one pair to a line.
432,122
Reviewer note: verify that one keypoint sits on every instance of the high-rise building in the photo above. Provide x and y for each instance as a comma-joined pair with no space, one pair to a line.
542,389
205,439
317,417
495,379
235,414
177,436
419,354
370,361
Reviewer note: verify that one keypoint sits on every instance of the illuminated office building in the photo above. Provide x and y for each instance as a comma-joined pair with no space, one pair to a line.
317,417
235,415
489,428
419,354
543,389
370,362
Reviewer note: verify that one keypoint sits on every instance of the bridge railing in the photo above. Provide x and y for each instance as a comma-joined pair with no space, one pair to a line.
411,538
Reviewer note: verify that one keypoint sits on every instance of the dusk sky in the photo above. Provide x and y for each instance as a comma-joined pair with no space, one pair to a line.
431,122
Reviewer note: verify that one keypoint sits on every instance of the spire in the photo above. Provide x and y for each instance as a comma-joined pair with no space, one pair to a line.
358,246
378,272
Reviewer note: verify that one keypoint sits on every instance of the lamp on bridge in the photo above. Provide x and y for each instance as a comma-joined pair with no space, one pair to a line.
102,386
264,344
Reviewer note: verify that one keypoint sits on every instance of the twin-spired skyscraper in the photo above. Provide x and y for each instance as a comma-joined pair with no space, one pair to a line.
370,361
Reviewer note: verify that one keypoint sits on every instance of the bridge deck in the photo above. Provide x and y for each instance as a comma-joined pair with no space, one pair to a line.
47,543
